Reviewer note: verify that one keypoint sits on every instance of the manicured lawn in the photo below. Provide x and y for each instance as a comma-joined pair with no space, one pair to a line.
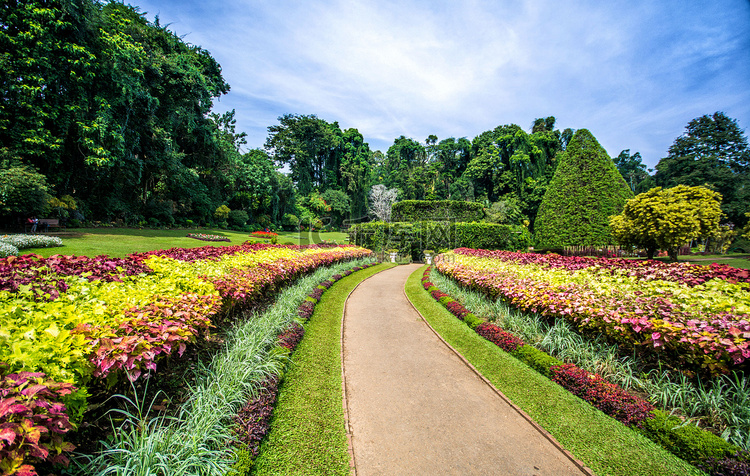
602,443
308,434
119,242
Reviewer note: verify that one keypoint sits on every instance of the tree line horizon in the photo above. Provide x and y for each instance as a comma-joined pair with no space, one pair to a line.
108,117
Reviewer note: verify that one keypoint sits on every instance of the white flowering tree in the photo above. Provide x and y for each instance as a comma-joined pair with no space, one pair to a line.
381,201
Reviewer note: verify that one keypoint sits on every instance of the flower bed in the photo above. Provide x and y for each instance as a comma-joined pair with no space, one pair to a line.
697,315
264,234
10,245
75,318
204,237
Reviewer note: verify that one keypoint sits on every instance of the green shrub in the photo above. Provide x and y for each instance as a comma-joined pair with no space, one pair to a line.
437,210
244,464
237,218
536,359
689,442
23,192
222,213
472,321
445,300
584,192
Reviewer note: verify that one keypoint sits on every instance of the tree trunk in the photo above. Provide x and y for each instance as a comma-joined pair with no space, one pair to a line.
650,252
673,254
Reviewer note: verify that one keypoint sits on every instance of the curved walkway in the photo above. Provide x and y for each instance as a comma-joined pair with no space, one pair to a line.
414,407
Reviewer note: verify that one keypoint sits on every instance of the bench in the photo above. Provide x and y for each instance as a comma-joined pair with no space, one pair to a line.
45,224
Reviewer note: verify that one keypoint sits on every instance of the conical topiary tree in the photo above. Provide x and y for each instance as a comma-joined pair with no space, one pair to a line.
584,192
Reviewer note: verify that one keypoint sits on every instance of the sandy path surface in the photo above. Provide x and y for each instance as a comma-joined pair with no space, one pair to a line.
415,408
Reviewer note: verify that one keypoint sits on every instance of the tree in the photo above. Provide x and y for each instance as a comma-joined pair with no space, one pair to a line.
713,151
308,145
584,192
381,201
632,168
668,218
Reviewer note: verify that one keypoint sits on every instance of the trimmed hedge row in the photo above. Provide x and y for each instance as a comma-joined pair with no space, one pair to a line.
699,447
437,210
414,238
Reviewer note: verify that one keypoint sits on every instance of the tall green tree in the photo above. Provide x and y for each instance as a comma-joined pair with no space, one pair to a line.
713,151
111,108
584,192
309,146
632,169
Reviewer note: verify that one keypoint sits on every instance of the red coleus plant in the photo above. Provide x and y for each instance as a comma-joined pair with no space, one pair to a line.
306,310
292,336
607,397
254,419
505,340
32,422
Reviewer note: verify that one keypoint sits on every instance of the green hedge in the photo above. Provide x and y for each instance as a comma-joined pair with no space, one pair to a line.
437,210
414,238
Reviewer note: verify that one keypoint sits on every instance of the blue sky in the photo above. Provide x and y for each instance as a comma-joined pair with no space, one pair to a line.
634,73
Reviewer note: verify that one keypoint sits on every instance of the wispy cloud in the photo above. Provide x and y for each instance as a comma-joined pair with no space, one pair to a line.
634,73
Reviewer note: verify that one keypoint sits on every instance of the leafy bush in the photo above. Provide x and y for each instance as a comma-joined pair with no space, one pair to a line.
690,314
291,337
735,465
254,419
436,210
686,441
536,359
23,192
237,218
222,213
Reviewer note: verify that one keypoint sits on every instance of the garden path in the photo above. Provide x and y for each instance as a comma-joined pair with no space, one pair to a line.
415,407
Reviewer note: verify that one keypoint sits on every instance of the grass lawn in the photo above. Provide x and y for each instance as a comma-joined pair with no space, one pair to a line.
602,443
119,242
736,260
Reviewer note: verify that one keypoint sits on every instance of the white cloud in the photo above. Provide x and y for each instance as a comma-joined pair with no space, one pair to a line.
634,73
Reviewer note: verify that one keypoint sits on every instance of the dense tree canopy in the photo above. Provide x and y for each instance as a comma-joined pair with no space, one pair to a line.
585,191
714,152
668,218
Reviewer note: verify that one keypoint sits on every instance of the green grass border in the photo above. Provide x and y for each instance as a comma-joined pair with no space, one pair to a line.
602,443
308,431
